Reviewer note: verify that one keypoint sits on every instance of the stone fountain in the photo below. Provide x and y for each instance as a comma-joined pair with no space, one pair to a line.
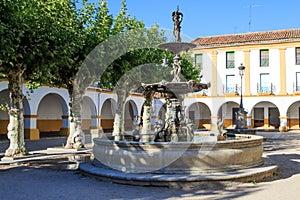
176,127
174,154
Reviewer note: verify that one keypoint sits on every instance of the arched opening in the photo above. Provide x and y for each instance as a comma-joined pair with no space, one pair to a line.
293,116
4,119
227,113
52,108
130,115
88,114
108,111
200,114
265,115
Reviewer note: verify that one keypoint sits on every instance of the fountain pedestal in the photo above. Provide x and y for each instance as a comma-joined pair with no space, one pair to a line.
241,119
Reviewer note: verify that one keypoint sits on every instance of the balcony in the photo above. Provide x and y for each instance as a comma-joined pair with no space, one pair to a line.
231,90
266,89
296,89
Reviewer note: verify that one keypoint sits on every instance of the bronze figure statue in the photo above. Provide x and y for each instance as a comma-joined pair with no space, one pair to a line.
177,19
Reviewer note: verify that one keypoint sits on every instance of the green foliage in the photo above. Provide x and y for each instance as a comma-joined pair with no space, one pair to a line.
94,24
4,107
47,41
136,57
35,37
189,71
122,71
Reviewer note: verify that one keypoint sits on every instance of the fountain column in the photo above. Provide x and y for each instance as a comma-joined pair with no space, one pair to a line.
146,135
175,89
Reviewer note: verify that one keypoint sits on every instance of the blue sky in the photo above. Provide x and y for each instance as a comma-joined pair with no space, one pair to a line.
215,17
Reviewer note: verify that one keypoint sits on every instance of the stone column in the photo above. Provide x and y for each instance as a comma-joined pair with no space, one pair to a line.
283,123
241,122
247,72
249,121
146,135
30,127
266,117
214,122
173,115
146,130
96,128
282,72
214,74
65,129
96,123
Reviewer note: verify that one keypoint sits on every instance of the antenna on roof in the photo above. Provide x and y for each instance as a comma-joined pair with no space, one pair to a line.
250,15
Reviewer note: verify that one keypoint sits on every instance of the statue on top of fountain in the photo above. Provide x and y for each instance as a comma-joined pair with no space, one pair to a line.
177,19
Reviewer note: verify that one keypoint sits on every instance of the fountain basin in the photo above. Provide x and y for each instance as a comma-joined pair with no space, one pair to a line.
202,157
177,47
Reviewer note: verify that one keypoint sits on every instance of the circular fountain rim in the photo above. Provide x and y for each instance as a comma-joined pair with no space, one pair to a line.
239,138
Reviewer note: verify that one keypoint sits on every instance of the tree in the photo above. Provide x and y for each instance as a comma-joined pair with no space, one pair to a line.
118,76
132,69
189,71
96,25
92,25
32,44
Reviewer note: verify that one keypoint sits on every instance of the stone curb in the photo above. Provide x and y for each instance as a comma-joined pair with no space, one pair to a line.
42,154
179,180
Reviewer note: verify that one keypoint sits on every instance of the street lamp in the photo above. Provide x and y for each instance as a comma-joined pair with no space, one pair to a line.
241,114
241,72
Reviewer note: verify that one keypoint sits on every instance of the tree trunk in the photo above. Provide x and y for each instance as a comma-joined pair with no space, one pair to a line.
76,137
119,120
16,115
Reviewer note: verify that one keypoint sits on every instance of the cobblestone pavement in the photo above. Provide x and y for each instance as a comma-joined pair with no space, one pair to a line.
57,178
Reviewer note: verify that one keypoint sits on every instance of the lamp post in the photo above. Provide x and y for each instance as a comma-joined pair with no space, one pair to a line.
241,72
241,114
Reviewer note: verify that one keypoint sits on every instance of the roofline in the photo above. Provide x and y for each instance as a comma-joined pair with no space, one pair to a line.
250,42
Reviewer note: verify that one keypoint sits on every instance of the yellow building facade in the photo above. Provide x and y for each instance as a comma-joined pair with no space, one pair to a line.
270,89
271,81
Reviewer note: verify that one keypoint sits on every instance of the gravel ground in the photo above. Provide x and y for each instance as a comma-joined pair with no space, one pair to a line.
57,177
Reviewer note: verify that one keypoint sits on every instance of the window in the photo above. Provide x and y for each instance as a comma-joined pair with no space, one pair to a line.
297,81
265,85
198,60
297,55
230,84
264,58
230,59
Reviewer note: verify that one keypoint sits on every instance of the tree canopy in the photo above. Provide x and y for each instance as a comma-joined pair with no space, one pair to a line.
48,42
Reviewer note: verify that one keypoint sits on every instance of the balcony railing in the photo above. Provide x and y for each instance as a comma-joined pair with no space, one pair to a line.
232,89
296,88
230,64
265,89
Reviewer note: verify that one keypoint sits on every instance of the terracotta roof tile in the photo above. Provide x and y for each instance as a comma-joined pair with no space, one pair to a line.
248,38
